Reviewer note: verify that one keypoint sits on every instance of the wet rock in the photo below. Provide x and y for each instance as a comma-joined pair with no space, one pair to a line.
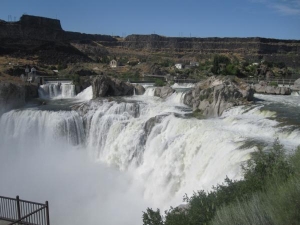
15,95
216,94
163,92
104,86
139,89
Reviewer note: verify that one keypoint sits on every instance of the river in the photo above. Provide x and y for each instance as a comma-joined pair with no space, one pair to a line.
105,161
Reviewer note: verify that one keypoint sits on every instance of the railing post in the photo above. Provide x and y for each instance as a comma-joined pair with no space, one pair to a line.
47,212
18,207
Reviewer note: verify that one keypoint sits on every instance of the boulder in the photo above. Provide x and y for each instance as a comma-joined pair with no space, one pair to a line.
107,86
216,94
265,88
15,95
139,89
163,92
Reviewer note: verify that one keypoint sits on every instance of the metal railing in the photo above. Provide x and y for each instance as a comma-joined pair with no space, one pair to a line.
19,211
283,81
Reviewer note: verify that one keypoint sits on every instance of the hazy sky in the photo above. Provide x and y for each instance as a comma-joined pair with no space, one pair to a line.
210,18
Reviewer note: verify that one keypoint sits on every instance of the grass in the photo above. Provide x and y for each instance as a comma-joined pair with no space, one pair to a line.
277,204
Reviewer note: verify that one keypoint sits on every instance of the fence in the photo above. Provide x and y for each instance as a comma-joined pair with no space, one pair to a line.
19,211
279,81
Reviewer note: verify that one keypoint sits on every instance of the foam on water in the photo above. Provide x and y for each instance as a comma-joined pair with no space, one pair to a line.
86,94
284,99
183,85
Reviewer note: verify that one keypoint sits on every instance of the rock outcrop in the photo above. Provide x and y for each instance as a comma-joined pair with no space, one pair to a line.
216,94
163,92
15,95
264,88
104,86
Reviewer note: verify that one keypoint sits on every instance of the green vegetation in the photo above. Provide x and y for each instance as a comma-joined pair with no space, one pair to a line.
159,83
269,194
62,66
273,83
223,65
75,79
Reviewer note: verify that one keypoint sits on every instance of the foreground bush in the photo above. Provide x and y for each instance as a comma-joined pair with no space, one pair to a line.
279,204
268,177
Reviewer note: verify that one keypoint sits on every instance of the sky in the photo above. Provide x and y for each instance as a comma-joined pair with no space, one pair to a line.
190,18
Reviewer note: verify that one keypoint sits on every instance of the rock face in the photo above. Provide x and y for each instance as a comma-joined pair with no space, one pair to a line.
15,95
216,94
44,37
263,88
106,86
163,92
251,48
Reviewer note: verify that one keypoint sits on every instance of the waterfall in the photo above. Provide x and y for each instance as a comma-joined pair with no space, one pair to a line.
86,94
295,93
149,91
110,151
57,90
37,127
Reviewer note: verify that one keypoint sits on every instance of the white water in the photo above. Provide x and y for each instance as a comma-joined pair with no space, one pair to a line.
183,85
121,157
291,100
57,90
149,91
86,94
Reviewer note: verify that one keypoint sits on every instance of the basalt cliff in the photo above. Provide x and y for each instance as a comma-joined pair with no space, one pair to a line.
45,38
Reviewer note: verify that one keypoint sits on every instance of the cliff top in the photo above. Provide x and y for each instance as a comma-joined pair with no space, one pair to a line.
37,21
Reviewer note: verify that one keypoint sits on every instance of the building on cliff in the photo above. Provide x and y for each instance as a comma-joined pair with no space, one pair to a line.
179,66
113,63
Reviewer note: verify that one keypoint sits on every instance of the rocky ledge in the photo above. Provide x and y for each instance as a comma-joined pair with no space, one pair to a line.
264,88
216,94
104,86
14,95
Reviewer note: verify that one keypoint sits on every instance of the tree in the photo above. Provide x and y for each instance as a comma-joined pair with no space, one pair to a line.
152,217
218,61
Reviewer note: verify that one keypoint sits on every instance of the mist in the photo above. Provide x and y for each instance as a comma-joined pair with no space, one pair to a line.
79,189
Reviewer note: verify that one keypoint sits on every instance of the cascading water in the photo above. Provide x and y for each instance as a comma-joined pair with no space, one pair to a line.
57,90
133,152
86,94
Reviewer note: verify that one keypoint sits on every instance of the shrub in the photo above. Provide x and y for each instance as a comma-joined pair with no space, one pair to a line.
152,217
231,70
246,201
75,79
159,83
218,60
278,204
62,66
273,83
280,65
